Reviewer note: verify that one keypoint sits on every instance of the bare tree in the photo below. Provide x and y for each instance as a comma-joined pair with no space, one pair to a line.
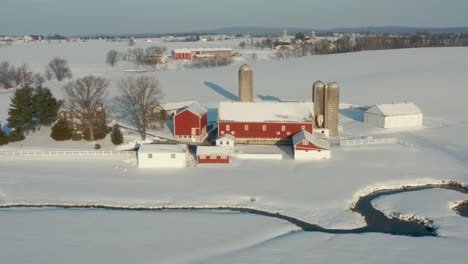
6,74
253,57
59,68
137,100
131,42
23,76
87,96
112,57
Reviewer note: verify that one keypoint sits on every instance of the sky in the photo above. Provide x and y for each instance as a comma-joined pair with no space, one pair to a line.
70,17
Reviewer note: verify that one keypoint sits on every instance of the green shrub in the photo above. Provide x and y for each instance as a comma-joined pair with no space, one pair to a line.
61,131
76,136
15,136
97,146
116,135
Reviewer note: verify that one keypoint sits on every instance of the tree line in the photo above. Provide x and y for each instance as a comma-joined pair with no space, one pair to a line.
22,76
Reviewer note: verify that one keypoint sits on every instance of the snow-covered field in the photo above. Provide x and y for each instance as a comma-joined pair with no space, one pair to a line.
317,192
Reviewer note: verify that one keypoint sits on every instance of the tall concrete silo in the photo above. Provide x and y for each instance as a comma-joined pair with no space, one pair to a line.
326,100
332,100
245,83
318,97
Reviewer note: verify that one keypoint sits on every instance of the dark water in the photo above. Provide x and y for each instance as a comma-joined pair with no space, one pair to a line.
376,221
462,209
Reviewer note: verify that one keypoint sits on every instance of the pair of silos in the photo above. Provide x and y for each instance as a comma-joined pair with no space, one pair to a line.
326,100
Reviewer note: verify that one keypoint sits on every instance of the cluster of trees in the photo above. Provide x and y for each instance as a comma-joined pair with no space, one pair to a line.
150,56
210,62
21,76
30,108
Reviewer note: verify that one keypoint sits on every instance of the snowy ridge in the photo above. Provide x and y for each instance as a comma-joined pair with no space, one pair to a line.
397,184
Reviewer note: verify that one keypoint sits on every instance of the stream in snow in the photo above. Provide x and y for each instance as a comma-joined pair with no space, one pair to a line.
462,209
377,221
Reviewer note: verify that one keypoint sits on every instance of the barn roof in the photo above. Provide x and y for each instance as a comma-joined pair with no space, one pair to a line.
394,109
266,111
162,148
186,50
176,105
299,136
195,108
213,150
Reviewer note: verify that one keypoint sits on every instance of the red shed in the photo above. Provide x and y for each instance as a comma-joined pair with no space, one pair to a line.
190,123
213,155
181,54
264,122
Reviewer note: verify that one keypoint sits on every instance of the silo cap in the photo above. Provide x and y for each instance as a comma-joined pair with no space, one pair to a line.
333,85
319,84
245,67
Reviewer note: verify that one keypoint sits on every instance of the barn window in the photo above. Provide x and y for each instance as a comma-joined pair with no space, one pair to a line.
213,157
288,133
278,133
172,156
303,127
227,142
202,157
283,128
150,156
223,157
233,132
264,127
305,142
246,127
222,132
220,142
228,127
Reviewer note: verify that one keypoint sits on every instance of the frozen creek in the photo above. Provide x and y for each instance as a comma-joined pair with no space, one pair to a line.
376,221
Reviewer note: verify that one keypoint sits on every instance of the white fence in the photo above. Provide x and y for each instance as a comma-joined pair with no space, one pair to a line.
68,154
372,141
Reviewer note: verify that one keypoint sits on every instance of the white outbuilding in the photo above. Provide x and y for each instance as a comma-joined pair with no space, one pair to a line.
394,115
227,140
162,156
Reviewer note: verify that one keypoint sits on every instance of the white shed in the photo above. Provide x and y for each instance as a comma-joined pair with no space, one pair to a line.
162,156
226,140
394,115
308,147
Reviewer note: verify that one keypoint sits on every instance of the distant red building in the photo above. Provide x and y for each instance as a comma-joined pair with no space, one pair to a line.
191,53
75,119
213,155
264,122
190,123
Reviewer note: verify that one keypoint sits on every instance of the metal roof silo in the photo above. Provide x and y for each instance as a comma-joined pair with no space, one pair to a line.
318,97
331,115
245,83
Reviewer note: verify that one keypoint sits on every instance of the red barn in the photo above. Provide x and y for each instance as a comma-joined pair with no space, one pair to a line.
181,54
213,155
190,123
308,147
264,122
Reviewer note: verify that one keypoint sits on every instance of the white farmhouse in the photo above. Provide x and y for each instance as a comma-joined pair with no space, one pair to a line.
308,147
394,115
162,156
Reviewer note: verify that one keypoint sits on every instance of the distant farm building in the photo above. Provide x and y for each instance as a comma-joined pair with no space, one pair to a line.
264,122
172,107
162,156
192,53
394,115
308,147
75,119
213,155
190,123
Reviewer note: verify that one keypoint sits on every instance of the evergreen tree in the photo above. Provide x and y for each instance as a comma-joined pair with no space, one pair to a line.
61,131
21,112
15,136
45,106
76,136
3,137
116,136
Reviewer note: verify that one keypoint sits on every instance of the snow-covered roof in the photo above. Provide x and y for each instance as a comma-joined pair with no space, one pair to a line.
176,105
213,150
266,111
195,108
185,50
300,136
227,136
394,109
162,148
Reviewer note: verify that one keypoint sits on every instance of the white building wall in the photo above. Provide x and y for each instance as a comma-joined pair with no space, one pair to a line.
394,121
312,155
403,121
162,160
